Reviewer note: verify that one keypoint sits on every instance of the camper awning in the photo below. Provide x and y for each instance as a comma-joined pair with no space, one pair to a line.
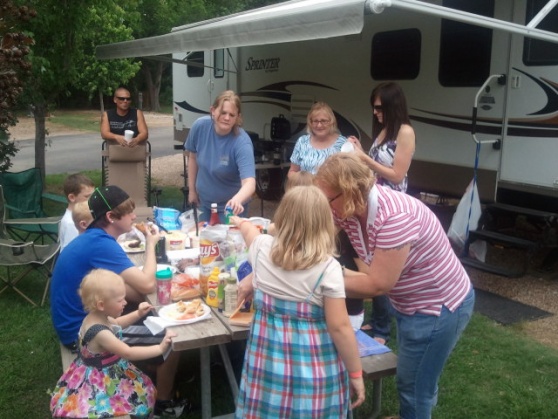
299,20
291,21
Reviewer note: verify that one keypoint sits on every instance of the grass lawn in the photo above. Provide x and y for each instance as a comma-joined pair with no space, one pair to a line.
495,372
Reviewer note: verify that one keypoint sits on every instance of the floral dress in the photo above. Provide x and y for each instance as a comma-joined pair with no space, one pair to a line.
102,385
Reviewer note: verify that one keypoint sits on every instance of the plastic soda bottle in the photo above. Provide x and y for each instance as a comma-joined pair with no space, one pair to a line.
223,278
231,293
228,214
214,219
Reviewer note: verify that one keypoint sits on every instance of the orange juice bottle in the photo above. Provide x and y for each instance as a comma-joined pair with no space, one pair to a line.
212,288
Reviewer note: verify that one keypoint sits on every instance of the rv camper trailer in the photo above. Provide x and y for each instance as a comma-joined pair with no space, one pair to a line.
459,79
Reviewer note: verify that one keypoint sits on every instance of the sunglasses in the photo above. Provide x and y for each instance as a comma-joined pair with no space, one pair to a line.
378,108
122,98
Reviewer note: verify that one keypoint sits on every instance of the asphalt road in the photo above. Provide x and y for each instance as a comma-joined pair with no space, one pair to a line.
75,153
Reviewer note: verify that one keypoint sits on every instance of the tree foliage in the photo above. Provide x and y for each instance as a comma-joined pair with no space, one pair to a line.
14,67
158,17
65,33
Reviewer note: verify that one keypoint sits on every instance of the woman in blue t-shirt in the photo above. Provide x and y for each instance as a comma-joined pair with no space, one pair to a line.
221,165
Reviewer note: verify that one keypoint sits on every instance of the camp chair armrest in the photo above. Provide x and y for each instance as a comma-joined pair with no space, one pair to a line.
44,220
19,210
55,197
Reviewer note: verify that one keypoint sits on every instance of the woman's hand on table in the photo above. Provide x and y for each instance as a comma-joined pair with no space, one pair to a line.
235,205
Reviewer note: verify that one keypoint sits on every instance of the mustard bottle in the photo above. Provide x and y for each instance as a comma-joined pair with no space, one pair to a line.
212,288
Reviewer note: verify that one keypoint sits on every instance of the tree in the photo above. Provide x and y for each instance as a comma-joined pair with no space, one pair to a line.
158,17
63,29
14,67
104,25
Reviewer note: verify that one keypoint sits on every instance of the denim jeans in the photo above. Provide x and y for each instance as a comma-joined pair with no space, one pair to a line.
382,311
425,342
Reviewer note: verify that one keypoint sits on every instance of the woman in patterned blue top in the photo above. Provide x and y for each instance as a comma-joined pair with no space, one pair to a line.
323,140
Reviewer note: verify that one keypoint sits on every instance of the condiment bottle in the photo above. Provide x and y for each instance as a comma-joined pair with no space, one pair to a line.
163,286
231,293
221,290
214,219
228,214
212,288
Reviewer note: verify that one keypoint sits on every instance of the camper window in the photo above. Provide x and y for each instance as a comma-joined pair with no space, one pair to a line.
396,55
465,49
536,52
196,68
219,63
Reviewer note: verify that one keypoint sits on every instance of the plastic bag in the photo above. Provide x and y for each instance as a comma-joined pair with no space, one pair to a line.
466,217
188,221
167,218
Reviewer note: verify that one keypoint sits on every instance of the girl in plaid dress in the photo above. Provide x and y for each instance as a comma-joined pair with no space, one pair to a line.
301,343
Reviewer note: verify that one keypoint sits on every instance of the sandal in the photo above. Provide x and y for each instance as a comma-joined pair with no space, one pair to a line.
366,327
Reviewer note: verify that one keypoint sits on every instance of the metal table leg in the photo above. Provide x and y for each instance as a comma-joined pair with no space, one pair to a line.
205,383
230,372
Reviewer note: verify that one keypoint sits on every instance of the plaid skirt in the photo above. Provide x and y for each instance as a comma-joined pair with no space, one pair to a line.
291,368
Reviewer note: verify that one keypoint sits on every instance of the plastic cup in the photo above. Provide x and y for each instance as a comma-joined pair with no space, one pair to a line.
164,283
347,147
128,135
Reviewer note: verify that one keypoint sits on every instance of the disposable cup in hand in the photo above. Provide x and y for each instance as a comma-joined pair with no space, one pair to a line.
347,147
128,135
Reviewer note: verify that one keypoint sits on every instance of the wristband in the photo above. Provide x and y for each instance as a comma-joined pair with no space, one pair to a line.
355,374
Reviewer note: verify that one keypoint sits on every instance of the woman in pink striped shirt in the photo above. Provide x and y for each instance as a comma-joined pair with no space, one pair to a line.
411,260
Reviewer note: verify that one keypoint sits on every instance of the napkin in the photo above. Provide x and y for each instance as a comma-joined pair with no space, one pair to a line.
157,324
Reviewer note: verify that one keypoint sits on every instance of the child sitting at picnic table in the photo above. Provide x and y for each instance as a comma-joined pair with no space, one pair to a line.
301,342
101,382
81,215
77,188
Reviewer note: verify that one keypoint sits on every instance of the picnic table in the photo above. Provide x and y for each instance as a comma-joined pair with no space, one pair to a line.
217,331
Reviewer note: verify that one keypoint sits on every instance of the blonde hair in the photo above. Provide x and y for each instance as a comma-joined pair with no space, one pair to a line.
304,240
321,107
230,96
346,174
81,214
301,178
96,286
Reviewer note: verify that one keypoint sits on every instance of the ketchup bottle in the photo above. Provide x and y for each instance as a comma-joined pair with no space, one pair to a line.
214,220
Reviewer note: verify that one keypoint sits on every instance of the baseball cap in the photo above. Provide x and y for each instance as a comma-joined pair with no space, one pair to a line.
105,199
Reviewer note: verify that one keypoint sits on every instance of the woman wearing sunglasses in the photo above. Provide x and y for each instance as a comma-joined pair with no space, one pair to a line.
389,158
122,118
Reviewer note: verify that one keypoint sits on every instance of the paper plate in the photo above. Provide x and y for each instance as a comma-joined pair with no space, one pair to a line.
166,313
129,249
